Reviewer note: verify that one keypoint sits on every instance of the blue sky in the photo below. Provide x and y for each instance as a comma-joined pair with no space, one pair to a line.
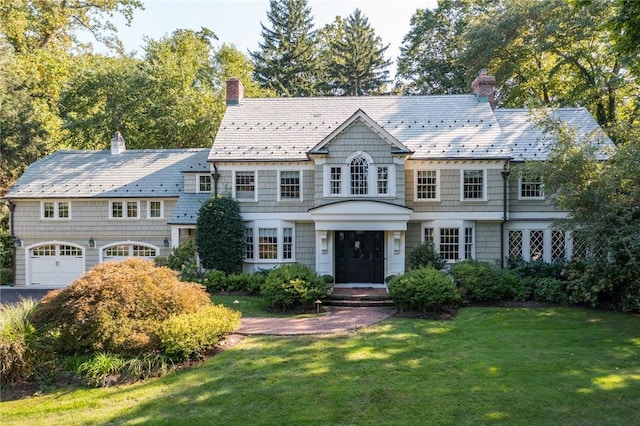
238,21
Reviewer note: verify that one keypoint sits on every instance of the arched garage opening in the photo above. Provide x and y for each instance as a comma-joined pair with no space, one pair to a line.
54,263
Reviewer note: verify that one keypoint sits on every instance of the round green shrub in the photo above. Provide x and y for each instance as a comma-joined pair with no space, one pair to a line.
187,335
293,286
426,255
480,281
116,307
549,290
423,289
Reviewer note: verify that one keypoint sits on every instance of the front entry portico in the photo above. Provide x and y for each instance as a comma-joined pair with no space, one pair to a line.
359,257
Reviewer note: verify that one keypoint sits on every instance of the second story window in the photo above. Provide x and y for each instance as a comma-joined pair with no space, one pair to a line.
52,210
426,185
290,185
336,180
472,185
204,183
245,186
123,209
155,210
531,186
383,180
359,170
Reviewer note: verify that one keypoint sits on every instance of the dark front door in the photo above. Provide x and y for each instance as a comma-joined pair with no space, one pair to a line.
359,256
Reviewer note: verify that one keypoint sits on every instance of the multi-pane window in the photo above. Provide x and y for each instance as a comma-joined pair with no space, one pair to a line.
336,180
287,243
449,243
66,250
515,245
359,170
138,250
268,243
204,183
426,185
472,184
155,209
468,243
383,180
248,239
290,185
55,210
531,186
536,244
428,235
124,209
245,185
557,245
48,250
117,251
129,250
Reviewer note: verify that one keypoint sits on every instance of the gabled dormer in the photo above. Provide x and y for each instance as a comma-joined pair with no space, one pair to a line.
360,159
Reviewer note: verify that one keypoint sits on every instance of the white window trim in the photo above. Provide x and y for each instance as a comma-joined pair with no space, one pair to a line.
129,243
279,183
372,178
256,225
521,197
415,186
124,210
547,228
198,176
161,210
484,185
56,210
437,225
255,185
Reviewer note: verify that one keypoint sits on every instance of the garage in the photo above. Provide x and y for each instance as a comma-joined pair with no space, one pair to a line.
55,265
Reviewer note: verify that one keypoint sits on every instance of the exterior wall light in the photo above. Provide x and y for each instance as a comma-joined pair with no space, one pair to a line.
92,242
166,242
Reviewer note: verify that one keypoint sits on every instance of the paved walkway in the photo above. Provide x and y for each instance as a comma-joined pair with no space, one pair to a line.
334,320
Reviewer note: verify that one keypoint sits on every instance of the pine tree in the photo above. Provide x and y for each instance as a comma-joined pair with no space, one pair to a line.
287,61
357,65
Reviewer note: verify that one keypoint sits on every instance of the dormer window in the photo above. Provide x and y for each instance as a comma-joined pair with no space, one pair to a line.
204,183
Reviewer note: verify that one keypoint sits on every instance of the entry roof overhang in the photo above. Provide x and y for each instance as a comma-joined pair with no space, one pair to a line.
360,216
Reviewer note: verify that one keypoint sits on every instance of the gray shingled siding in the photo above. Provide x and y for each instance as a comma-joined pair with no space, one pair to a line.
191,183
306,244
488,241
89,219
413,239
516,205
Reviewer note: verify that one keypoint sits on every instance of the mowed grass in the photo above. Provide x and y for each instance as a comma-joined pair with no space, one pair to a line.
487,366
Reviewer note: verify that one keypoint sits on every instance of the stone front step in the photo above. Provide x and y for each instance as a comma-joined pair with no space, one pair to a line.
358,297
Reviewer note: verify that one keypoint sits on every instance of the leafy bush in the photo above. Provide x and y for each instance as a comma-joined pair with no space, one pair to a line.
423,289
293,286
630,299
426,255
536,268
116,307
588,282
220,235
549,290
187,335
18,353
217,281
6,250
480,281
522,287
183,260
6,276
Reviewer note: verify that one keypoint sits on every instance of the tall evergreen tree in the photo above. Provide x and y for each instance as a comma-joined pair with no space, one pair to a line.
287,61
357,65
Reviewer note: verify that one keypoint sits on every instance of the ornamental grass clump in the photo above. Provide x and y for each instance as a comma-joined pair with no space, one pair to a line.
18,353
117,308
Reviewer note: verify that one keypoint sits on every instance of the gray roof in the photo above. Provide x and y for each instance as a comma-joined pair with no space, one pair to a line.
89,174
187,209
432,127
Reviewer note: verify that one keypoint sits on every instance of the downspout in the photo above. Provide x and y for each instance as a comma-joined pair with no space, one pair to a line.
215,176
505,176
12,209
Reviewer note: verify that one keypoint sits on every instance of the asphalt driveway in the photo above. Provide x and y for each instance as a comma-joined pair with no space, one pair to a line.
13,294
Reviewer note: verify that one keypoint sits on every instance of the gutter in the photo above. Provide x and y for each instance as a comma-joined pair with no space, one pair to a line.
12,209
505,198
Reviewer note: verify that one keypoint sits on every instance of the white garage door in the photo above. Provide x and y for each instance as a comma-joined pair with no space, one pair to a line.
55,265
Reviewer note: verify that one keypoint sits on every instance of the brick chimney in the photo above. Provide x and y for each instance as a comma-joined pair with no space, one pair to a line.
484,87
235,91
117,144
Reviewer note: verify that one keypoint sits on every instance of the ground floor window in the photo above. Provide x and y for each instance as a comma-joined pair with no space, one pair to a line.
454,240
538,242
269,240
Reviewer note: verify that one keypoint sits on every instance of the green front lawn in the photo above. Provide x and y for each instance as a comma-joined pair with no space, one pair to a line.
487,366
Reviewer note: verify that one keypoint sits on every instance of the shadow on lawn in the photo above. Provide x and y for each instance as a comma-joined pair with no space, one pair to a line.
520,366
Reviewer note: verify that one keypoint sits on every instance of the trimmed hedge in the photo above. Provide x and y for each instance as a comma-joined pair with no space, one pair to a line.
481,281
293,286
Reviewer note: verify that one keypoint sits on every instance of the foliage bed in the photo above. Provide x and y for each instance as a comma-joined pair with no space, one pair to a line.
423,289
293,286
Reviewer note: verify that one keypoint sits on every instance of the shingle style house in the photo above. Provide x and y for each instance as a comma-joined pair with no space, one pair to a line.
348,185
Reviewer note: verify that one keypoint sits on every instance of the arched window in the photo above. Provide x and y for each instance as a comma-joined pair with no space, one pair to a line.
359,168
